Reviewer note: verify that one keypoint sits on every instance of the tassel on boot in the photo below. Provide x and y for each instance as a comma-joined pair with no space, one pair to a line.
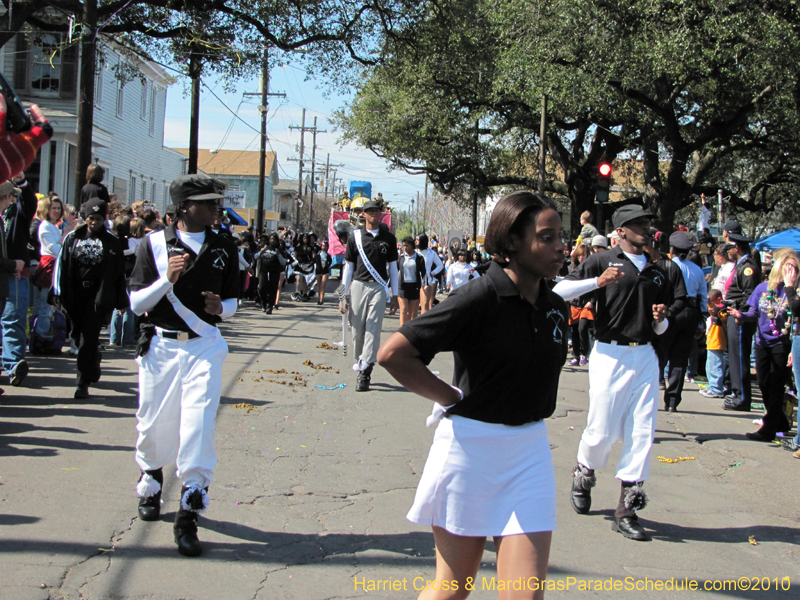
583,480
194,501
149,491
632,497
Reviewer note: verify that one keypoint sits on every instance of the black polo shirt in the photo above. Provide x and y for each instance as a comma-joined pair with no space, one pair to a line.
677,286
214,269
380,250
624,310
507,352
746,276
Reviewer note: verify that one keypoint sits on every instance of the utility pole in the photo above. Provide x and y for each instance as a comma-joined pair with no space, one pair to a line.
413,221
416,217
300,173
86,96
303,130
328,170
313,170
262,159
195,67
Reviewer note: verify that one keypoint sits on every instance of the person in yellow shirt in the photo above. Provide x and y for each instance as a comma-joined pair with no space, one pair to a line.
716,346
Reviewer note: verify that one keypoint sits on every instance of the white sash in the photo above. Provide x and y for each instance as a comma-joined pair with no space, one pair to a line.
158,243
369,266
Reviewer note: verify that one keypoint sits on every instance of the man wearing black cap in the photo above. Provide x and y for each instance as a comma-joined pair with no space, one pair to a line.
658,250
186,280
623,370
89,283
744,279
371,265
684,325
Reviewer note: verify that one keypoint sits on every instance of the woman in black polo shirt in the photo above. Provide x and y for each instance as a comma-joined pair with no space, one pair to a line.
490,471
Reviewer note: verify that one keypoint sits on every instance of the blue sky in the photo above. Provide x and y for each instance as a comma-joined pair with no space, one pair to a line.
397,187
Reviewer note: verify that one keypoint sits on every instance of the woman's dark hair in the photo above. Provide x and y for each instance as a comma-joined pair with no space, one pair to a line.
510,217
149,217
682,254
122,226
408,240
722,250
273,236
94,174
423,241
694,256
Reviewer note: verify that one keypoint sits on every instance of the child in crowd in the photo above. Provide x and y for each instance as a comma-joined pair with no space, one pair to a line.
716,346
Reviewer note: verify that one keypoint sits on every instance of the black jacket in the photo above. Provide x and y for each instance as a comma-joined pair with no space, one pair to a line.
112,293
18,225
94,190
7,267
421,270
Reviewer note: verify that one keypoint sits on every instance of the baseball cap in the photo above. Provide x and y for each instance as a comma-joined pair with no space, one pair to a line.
631,212
8,187
372,204
195,187
733,227
600,240
614,235
680,241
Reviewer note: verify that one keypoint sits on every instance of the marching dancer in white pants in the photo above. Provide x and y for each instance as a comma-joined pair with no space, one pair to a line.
371,267
186,280
623,372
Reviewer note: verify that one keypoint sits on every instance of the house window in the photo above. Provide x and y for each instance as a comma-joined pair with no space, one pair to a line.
133,189
49,70
153,194
144,190
120,98
98,86
143,109
46,67
153,96
167,199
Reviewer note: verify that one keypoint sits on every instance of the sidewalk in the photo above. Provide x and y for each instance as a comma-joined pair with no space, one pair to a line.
312,486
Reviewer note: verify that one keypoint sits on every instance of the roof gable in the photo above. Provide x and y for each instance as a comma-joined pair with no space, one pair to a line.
231,163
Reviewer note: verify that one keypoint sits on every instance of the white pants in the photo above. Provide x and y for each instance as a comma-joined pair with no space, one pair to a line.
367,305
623,403
180,383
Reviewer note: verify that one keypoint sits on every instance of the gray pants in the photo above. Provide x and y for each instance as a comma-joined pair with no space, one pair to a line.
367,305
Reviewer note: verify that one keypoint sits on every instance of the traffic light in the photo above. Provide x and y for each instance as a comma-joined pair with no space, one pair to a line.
603,181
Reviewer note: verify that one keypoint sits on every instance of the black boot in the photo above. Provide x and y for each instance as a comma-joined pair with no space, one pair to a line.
583,480
150,506
632,497
362,383
192,502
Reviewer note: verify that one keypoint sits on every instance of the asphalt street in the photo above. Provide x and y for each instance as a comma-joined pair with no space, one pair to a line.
313,484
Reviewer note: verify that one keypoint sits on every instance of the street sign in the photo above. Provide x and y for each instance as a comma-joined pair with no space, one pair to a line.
234,199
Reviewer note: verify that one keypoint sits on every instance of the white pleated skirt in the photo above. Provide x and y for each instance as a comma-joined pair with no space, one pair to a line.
485,479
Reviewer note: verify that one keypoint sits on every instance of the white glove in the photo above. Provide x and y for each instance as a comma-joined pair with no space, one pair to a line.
439,411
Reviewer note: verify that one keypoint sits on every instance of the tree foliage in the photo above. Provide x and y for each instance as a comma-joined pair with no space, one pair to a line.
696,95
232,34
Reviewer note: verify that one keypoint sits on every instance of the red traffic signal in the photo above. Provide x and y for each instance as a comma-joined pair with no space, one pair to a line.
605,169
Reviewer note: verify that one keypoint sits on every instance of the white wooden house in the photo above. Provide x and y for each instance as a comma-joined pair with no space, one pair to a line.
128,135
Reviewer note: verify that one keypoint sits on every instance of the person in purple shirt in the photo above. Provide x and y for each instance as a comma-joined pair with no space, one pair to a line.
772,305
